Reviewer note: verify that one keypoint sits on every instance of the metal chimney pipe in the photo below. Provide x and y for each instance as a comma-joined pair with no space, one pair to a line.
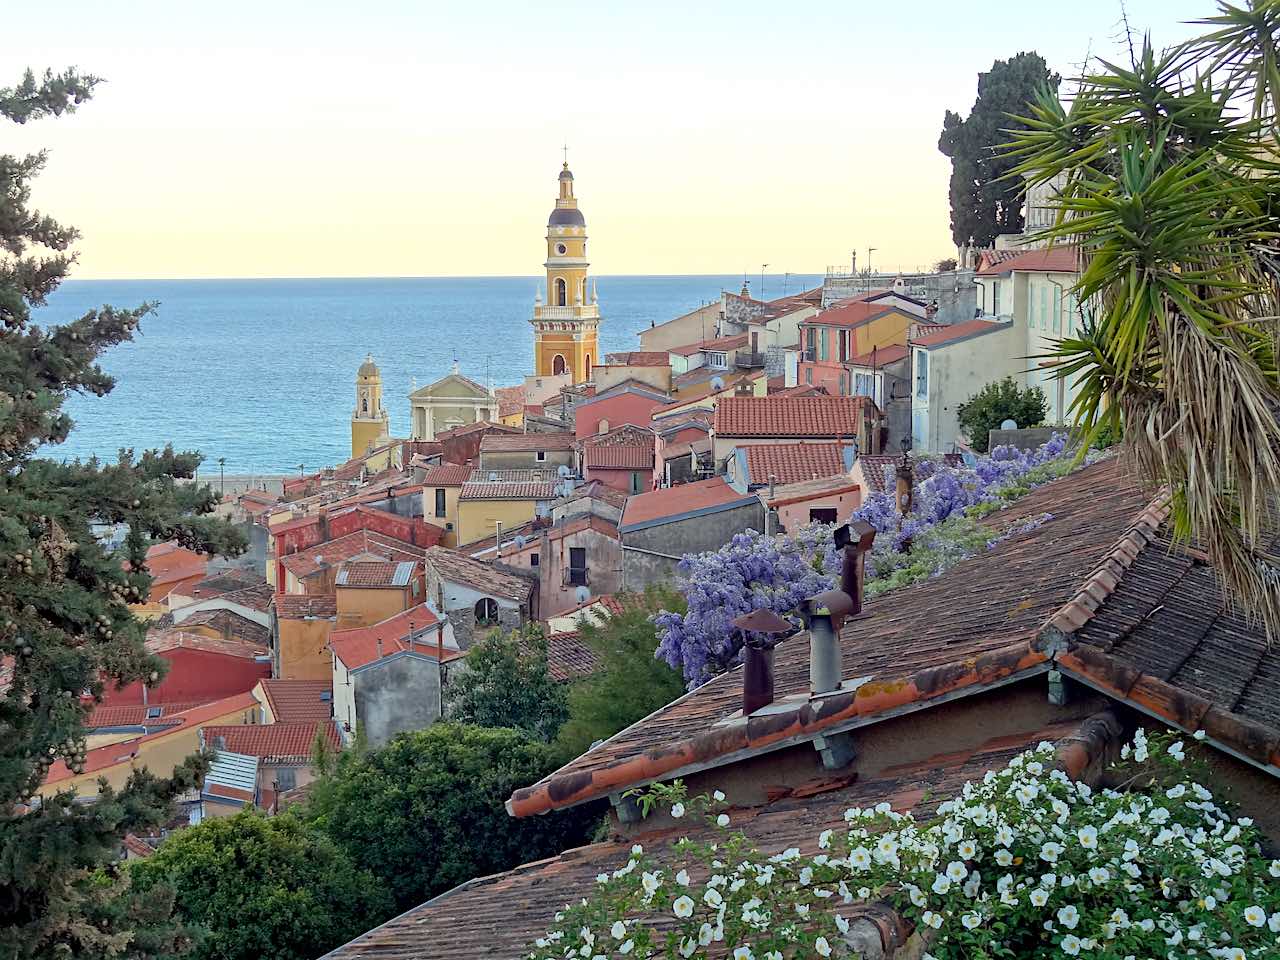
825,613
824,654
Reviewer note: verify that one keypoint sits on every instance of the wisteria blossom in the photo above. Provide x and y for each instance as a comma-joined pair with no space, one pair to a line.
753,571
1161,869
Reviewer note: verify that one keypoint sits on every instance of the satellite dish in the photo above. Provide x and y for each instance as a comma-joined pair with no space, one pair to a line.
582,595
1008,424
521,541
563,470
717,383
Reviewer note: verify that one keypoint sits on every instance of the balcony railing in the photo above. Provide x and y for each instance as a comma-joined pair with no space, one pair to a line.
747,359
587,311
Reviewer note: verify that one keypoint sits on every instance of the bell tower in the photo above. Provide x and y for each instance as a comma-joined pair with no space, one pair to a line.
566,326
370,424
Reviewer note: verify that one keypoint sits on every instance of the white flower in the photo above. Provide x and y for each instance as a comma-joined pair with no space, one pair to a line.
1088,837
1273,922
619,930
1176,751
650,882
941,884
1199,734
1255,916
967,850
1069,916
1173,793
932,919
1049,851
742,953
971,920
682,878
602,878
1004,835
712,897
718,797
824,839
722,820
806,876
1274,869
636,850
705,934
626,946
956,871
677,810
1099,875
687,946
1232,953
1071,945
802,909
861,858
823,948
1039,897
682,907
1004,857
841,924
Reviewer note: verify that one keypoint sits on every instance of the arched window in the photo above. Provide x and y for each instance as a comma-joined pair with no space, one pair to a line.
561,295
486,611
588,363
557,365
364,403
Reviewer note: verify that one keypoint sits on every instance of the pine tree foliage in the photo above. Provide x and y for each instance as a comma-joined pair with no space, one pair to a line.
984,204
66,629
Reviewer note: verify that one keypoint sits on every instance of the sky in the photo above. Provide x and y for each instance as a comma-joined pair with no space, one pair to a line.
380,138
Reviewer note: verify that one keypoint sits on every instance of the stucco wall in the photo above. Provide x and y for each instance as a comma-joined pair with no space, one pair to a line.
303,649
364,606
395,695
956,372
650,555
698,324
476,518
525,459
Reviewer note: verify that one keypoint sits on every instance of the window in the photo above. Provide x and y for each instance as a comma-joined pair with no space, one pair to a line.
811,342
561,295
808,375
995,297
440,505
557,365
286,778
922,374
864,385
486,611
844,345
822,344
717,360
540,456
534,560
578,566
822,515
153,712
636,483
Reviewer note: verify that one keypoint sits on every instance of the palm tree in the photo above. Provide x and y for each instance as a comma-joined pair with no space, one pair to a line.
1172,195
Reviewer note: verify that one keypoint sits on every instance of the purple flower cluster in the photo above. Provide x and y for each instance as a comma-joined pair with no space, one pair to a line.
753,571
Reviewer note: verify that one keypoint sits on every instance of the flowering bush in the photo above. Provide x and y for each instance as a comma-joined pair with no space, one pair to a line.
1025,863
753,571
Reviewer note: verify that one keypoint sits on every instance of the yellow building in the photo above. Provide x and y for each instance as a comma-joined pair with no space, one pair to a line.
501,500
370,425
565,328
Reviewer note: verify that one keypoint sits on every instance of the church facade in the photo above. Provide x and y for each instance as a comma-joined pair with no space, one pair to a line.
566,325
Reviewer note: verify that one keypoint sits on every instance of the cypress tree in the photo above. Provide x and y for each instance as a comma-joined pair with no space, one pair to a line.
66,629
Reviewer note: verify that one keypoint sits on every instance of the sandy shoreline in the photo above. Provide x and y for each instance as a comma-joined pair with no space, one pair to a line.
240,482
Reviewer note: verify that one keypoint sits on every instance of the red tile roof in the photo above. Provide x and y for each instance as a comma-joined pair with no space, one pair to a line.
959,331
525,442
468,428
640,358
365,544
891,353
792,462
804,491
791,416
297,606
165,641
137,714
447,475
568,656
220,584
380,574
674,502
730,342
256,597
229,624
168,563
618,456
456,567
289,742
852,314
362,645
296,701
1058,259
508,490
507,911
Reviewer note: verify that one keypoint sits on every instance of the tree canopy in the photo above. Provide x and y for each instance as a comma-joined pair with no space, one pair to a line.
996,403
263,888
983,205
65,623
506,683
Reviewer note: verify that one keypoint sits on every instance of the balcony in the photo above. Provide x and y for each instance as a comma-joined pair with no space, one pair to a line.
585,311
748,360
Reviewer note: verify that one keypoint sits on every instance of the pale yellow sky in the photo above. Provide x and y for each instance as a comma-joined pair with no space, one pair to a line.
419,139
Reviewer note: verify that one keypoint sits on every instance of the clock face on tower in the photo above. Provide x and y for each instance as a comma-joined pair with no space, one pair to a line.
560,249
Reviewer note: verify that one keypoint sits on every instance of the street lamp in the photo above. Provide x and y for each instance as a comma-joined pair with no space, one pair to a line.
870,251
762,269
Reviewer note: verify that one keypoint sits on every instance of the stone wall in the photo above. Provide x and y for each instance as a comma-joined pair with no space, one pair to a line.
1026,439
396,695
954,291
650,555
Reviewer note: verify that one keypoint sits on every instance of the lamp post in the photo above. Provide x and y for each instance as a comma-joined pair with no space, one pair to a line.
222,476
762,269
870,251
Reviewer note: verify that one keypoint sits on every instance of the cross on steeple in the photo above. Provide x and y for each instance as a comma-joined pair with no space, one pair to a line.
565,148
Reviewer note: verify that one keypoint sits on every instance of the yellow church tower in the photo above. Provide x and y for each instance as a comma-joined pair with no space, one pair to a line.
566,326
370,424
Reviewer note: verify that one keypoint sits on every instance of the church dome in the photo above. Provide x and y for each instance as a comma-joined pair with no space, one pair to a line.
368,368
566,217
565,174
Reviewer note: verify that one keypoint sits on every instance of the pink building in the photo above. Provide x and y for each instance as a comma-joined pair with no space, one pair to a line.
827,500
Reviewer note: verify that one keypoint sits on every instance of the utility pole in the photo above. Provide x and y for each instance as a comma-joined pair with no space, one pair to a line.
222,476
870,251
762,269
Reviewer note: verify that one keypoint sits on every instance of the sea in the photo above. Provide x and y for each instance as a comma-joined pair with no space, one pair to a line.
261,372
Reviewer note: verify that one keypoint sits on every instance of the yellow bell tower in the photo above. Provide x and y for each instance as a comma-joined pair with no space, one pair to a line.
566,326
370,424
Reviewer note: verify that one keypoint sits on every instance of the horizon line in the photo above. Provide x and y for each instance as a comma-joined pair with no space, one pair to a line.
457,276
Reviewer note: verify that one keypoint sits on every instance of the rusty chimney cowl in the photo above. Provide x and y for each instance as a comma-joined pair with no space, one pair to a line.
761,630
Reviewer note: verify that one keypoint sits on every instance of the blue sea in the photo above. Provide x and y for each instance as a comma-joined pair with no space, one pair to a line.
262,372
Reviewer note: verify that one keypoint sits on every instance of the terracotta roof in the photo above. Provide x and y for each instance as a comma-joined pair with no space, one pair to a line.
220,584
137,846
508,490
256,597
169,563
618,456
961,631
468,428
880,471
138,714
459,568
801,390
791,416
447,475
506,911
852,314
365,544
525,442
792,462
673,450
1058,259
297,701
805,490
380,574
297,606
959,331
229,624
729,342
881,355
290,742
676,503
166,641
125,752
568,657
640,358
363,645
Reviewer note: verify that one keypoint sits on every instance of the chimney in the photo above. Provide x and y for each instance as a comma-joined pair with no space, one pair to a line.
761,630
440,642
324,524
825,614
379,641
